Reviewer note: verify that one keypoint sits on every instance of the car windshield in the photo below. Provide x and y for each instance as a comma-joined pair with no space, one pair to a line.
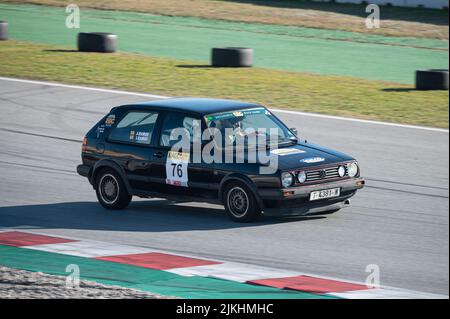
254,125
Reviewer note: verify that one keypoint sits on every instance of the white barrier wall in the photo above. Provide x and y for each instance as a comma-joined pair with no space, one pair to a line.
436,4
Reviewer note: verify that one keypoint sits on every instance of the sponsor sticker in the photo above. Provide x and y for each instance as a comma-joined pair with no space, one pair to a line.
312,160
287,151
142,137
132,133
177,168
110,120
100,130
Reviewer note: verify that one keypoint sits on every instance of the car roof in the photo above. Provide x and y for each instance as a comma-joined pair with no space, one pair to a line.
201,106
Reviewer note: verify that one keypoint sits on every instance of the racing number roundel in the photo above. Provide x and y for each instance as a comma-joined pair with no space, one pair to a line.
177,168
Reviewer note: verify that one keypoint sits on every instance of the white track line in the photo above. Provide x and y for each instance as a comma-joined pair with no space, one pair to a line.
330,117
84,88
349,119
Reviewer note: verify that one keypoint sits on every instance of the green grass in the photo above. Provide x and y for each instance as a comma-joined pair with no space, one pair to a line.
323,52
334,95
396,21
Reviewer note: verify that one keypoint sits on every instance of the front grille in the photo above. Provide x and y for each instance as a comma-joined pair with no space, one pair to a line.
322,174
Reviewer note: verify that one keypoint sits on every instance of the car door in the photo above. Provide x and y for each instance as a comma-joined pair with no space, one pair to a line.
131,144
182,171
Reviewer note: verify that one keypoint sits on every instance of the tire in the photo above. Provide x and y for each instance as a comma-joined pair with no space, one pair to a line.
111,190
232,57
432,80
3,30
240,203
97,42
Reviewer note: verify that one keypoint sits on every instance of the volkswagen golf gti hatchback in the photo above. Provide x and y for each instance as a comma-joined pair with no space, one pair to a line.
217,151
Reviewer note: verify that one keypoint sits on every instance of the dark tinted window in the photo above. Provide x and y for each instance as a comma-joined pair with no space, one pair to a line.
135,127
177,120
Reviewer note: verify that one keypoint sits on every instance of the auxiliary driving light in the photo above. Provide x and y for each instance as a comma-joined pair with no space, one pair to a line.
341,171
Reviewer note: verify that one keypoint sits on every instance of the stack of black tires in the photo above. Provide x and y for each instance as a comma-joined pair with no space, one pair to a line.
432,80
3,30
97,42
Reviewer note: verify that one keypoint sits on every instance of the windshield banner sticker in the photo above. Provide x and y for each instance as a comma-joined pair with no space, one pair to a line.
228,115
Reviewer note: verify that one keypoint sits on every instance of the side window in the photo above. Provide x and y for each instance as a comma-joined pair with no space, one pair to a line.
135,127
177,120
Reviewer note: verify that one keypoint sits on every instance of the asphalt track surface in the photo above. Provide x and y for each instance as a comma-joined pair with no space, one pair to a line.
399,222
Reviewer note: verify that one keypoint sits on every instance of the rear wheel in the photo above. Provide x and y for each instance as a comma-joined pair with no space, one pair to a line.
111,190
240,203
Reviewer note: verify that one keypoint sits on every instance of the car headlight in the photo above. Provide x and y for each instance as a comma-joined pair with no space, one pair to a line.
287,179
301,177
352,169
342,171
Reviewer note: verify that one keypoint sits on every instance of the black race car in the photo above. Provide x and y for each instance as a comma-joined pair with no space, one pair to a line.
230,152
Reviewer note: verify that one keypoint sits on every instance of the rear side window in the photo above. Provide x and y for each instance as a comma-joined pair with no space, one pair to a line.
135,127
178,120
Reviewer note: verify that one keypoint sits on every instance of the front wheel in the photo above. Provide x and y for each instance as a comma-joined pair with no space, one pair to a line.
111,190
240,203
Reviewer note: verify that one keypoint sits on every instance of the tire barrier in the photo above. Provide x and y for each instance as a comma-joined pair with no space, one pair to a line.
232,57
3,30
97,42
432,80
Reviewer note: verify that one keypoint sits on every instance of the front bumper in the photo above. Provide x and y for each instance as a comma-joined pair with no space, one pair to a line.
295,200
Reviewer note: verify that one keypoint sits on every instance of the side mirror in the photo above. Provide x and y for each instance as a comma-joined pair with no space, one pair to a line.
294,130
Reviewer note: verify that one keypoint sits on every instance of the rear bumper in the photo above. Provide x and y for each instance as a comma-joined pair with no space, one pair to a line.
84,170
295,200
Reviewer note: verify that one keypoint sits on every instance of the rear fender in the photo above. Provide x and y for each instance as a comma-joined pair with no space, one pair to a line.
107,163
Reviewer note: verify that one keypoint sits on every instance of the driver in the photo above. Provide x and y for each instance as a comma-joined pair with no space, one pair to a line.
230,128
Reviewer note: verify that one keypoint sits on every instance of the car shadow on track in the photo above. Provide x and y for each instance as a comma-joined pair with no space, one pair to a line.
140,216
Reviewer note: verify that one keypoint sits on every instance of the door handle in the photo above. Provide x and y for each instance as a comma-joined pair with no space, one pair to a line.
144,164
158,154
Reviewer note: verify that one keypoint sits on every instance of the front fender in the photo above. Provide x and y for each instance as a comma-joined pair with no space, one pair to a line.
245,180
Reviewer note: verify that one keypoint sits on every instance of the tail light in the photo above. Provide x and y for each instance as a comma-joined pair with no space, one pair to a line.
84,145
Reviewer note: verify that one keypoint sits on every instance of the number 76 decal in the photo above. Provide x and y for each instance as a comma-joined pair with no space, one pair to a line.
177,168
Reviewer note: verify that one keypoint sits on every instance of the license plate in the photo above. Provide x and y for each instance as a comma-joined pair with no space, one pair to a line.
326,193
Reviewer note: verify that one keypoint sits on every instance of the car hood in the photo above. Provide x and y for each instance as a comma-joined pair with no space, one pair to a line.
305,155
